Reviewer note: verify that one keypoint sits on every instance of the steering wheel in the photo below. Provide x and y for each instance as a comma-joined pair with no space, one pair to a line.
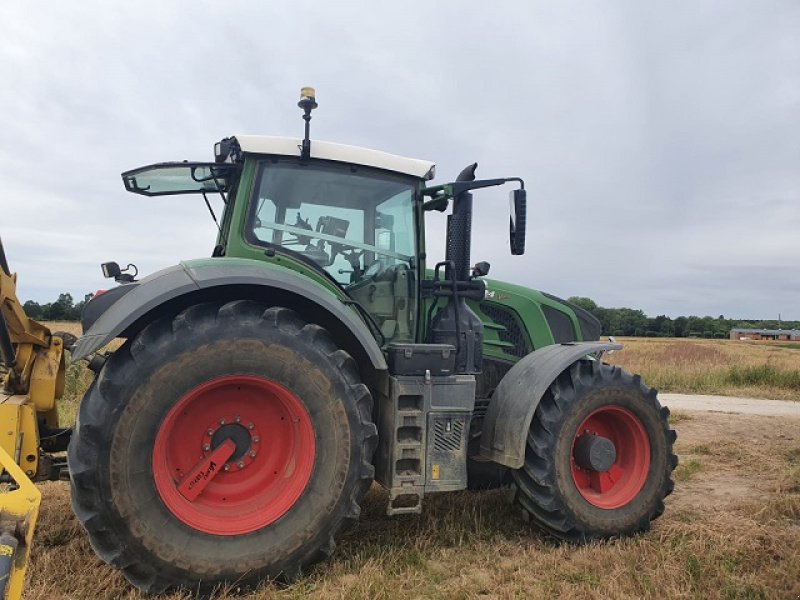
318,256
372,270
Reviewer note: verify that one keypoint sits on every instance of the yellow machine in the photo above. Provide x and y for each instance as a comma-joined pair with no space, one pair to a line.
33,359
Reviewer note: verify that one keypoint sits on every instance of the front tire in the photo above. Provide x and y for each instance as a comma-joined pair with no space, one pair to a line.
599,457
267,396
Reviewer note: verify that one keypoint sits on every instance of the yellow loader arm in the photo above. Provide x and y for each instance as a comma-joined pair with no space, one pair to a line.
19,510
33,359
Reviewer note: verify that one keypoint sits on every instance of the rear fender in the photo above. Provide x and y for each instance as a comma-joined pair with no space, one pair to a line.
166,292
510,412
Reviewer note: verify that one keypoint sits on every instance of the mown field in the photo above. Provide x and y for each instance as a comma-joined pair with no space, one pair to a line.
726,367
731,529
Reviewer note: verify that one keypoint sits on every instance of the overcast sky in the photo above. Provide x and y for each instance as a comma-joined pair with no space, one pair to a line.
660,142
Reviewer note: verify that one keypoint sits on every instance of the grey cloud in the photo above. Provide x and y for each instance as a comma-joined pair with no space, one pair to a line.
659,141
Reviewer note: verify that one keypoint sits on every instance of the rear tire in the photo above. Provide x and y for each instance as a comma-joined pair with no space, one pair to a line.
276,509
578,503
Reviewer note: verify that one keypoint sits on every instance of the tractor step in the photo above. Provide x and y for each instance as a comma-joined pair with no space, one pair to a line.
423,431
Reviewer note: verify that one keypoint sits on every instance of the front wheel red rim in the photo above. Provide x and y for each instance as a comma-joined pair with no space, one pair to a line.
249,444
625,478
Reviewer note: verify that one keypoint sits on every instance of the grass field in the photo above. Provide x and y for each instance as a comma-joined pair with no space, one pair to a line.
731,529
728,367
697,366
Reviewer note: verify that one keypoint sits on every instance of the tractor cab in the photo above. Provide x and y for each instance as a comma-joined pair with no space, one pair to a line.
357,224
345,215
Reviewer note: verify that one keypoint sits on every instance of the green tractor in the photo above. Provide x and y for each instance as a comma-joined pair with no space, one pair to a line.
260,392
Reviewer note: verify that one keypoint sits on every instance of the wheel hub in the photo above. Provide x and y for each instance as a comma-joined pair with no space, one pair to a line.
610,457
594,452
210,466
242,432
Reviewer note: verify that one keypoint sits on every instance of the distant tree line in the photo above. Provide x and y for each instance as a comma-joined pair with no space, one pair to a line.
63,309
629,321
614,321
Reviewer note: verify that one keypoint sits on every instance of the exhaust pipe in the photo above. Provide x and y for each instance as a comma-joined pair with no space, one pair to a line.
456,324
459,229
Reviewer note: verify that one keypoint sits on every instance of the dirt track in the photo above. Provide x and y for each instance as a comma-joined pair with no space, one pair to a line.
731,405
735,443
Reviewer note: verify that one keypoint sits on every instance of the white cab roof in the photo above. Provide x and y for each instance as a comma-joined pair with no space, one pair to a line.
284,146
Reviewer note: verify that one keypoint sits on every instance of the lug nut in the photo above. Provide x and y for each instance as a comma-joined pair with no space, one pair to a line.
256,439
222,421
252,453
206,447
210,432
250,426
238,419
240,464
226,467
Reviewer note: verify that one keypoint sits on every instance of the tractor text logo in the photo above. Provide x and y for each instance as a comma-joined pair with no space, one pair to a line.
202,475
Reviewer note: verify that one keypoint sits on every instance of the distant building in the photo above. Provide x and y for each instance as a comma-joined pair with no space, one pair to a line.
786,335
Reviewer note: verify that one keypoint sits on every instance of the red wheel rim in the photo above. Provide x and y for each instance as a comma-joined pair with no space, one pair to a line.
625,478
268,471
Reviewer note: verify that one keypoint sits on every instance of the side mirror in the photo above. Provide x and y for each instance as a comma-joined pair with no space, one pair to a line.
111,270
516,232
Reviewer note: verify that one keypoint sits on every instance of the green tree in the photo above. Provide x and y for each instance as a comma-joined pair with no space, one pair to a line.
680,326
32,309
62,309
584,303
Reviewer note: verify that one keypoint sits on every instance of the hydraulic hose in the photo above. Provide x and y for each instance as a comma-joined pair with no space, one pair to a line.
7,355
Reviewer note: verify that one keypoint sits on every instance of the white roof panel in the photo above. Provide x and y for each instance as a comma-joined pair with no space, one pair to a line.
284,146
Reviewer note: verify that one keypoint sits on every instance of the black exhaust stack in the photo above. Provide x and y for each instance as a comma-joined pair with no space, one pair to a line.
456,324
459,229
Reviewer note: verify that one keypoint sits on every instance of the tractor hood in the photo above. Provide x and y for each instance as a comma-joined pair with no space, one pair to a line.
519,320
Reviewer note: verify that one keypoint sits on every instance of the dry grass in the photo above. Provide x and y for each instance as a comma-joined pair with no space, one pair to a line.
731,530
728,367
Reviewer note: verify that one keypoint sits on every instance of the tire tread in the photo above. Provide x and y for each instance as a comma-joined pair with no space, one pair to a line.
96,415
536,491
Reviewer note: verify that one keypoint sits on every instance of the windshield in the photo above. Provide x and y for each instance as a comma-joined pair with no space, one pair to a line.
167,179
356,224
348,223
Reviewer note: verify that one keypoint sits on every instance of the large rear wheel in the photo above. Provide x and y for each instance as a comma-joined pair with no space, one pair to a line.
229,444
599,458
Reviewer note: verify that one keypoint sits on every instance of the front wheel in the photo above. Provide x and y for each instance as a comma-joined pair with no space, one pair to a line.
229,444
599,458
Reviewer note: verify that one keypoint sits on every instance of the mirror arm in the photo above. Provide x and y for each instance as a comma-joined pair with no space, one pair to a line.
449,190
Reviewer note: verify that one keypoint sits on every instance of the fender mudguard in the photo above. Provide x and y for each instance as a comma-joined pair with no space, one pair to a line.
510,412
204,278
